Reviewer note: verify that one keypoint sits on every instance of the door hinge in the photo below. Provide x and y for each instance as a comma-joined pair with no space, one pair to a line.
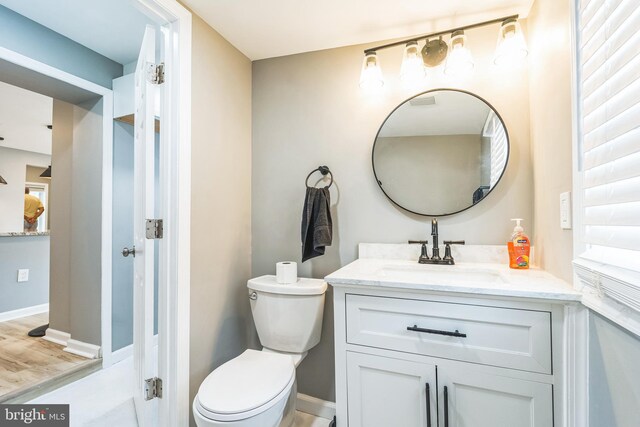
156,73
152,388
154,229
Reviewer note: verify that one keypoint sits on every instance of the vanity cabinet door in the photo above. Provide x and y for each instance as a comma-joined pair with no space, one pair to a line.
384,392
468,398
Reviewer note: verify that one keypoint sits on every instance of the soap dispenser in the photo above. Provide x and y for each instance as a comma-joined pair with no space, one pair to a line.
519,247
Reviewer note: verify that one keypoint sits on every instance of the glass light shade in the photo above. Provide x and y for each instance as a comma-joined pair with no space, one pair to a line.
511,48
371,75
460,61
412,70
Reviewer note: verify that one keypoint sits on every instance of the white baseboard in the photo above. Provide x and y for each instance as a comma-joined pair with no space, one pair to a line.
121,354
124,352
314,406
57,337
83,349
24,312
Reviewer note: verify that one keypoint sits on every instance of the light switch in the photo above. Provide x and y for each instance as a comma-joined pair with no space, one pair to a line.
23,275
565,210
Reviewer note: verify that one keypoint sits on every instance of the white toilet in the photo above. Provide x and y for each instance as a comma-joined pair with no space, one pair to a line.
258,388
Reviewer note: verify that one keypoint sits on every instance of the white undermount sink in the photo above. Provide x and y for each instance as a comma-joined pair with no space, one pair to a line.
441,274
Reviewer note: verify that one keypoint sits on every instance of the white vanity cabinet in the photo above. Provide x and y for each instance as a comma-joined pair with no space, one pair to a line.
408,355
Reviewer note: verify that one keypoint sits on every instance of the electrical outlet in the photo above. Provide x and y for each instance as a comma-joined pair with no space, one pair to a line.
565,211
23,275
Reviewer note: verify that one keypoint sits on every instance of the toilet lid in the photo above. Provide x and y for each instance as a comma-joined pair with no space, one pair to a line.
247,382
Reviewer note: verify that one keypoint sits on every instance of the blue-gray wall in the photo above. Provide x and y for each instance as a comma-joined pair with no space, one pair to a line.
614,375
122,291
30,252
31,39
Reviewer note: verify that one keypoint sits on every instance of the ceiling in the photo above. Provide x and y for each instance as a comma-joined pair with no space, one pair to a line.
113,28
24,116
454,113
264,29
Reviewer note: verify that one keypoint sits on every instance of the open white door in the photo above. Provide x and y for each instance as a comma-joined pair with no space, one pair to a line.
145,360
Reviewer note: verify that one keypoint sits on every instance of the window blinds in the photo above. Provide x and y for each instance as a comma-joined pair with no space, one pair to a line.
494,130
609,73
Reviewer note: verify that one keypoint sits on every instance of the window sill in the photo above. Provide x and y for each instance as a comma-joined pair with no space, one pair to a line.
612,292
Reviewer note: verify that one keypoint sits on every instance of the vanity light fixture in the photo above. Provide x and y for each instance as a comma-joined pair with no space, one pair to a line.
511,47
371,75
460,61
412,71
46,173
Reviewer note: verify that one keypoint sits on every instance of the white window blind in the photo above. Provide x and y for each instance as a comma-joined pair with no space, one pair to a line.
609,79
494,130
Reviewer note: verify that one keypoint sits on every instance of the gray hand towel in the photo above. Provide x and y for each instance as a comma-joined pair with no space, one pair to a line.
317,227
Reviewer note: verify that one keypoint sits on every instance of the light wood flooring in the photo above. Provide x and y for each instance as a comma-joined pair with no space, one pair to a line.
30,364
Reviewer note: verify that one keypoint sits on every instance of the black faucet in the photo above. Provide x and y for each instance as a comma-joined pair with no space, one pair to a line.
435,251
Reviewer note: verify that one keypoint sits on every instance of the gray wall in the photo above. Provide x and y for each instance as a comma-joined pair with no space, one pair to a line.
614,375
221,325
31,39
75,302
308,110
30,252
551,131
403,161
13,168
122,268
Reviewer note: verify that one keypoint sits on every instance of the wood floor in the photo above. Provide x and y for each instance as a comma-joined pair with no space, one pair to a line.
28,363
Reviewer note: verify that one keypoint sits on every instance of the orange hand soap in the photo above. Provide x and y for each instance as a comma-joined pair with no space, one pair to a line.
519,247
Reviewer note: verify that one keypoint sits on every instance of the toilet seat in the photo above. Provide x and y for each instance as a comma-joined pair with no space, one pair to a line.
245,386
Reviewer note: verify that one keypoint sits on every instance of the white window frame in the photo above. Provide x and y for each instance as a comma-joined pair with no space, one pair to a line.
608,290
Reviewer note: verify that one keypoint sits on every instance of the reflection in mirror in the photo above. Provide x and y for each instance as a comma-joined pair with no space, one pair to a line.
440,152
25,153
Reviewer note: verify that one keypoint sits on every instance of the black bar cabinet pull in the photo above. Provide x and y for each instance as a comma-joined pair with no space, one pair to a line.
436,331
428,402
446,406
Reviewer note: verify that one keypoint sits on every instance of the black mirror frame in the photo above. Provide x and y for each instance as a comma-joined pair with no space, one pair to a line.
506,164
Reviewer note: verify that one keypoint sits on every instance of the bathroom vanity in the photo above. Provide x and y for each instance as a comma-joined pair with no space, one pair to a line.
473,344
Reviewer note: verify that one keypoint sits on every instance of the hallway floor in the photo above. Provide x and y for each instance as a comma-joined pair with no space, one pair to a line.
27,362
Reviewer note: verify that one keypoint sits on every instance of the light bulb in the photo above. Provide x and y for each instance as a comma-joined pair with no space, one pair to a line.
412,71
460,61
511,48
371,75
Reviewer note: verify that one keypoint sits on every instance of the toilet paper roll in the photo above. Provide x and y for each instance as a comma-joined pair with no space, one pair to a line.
286,272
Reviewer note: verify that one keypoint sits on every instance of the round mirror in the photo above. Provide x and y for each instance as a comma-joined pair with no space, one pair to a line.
440,152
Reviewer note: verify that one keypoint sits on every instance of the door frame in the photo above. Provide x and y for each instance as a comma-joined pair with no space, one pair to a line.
107,185
174,347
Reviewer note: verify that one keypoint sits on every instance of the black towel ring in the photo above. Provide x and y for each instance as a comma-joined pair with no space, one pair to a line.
324,170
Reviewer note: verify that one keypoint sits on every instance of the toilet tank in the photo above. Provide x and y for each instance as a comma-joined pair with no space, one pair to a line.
287,317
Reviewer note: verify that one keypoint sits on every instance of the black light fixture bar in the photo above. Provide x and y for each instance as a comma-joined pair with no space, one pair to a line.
439,33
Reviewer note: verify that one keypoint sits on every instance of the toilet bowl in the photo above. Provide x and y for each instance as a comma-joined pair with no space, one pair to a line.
258,388
251,390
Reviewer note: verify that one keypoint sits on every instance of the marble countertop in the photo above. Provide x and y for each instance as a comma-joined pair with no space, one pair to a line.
23,234
481,277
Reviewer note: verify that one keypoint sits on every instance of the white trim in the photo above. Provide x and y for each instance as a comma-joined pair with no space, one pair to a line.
23,312
314,406
57,337
90,351
121,354
107,162
576,366
127,351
